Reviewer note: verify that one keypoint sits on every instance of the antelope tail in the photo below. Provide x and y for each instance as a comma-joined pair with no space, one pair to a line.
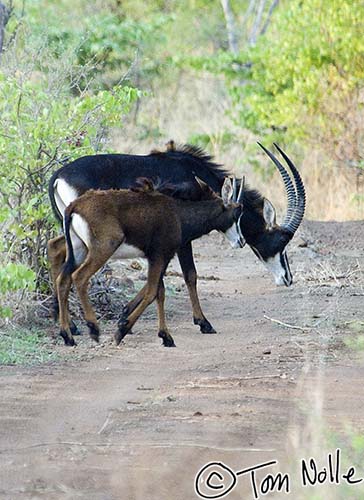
70,264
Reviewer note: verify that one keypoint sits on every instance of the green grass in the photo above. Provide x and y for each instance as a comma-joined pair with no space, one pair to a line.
25,347
356,340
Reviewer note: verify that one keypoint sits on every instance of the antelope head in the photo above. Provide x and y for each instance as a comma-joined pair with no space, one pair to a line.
266,238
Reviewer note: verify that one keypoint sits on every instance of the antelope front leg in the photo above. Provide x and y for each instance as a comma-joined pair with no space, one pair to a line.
57,256
163,329
155,272
130,306
186,261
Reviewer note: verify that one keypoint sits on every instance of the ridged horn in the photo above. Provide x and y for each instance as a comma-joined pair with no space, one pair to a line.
239,198
295,193
297,216
288,184
235,188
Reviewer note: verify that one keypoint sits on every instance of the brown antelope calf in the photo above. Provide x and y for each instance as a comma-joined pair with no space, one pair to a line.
137,223
179,166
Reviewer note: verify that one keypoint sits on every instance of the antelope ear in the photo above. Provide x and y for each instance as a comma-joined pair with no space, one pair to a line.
227,191
205,188
269,213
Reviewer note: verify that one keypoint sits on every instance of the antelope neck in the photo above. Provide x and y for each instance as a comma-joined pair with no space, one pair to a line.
199,218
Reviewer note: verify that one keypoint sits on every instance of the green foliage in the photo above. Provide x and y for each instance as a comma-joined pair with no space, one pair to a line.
44,123
351,444
24,347
14,277
225,138
291,83
311,58
63,87
133,39
113,45
356,340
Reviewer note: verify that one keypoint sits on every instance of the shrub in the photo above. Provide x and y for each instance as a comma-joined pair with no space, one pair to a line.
46,120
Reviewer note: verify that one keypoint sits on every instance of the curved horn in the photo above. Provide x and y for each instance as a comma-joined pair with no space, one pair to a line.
239,198
235,188
297,216
288,184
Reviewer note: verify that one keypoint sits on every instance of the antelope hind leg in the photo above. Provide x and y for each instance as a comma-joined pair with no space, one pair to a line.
163,329
57,256
63,284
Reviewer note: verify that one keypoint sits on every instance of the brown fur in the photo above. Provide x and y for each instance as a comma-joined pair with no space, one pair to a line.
170,146
146,219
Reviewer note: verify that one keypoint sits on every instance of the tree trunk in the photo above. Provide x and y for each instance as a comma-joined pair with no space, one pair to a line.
273,5
230,26
257,22
5,13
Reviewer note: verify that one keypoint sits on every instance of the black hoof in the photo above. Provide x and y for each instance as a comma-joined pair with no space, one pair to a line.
120,334
67,339
167,339
205,326
74,329
94,332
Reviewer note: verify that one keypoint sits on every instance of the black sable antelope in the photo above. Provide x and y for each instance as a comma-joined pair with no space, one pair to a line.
102,224
179,167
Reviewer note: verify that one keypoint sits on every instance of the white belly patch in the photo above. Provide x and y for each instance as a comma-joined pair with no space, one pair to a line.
125,251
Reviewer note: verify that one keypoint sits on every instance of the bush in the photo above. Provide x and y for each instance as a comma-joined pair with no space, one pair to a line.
46,120
303,72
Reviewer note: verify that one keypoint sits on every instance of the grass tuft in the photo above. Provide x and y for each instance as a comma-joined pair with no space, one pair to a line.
25,347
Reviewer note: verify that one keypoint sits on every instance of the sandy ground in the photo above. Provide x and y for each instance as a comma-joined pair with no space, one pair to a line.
138,422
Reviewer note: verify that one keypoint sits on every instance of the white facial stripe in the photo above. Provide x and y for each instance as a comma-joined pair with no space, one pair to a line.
285,259
242,239
63,194
232,234
281,273
274,265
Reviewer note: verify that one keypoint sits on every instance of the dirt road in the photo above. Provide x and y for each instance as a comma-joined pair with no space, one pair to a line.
139,421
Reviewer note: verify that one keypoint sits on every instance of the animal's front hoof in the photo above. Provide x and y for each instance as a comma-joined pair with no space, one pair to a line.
94,331
68,340
205,326
120,334
167,339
